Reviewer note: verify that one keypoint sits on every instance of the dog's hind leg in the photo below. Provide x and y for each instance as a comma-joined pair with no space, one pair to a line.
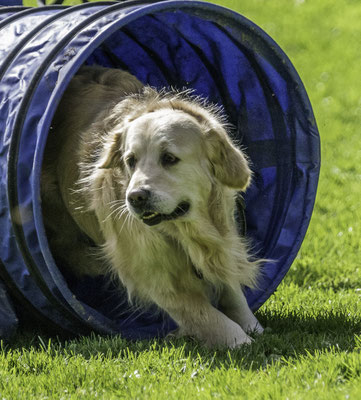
234,304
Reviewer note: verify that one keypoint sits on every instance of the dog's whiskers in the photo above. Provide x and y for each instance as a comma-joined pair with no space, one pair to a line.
118,206
128,221
116,201
121,212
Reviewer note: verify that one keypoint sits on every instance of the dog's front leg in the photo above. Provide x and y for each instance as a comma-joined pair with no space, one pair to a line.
201,320
234,304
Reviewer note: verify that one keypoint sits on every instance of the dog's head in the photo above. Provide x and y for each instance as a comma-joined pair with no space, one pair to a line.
172,149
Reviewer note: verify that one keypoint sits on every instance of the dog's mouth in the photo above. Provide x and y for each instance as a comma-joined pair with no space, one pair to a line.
152,218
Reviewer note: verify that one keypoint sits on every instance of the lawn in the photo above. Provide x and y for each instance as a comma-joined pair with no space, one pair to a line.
311,348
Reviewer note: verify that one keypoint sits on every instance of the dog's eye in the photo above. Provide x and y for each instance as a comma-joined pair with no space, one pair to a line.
131,161
168,159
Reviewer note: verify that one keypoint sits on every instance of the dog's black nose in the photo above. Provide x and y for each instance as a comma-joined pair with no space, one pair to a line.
138,199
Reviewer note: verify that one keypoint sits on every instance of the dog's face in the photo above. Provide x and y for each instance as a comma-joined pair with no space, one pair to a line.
172,157
166,162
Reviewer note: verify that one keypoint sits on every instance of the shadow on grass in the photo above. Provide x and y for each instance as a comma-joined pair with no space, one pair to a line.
286,338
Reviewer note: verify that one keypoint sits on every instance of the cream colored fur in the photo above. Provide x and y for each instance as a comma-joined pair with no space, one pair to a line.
109,139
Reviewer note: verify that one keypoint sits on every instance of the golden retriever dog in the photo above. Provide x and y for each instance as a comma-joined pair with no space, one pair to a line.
151,178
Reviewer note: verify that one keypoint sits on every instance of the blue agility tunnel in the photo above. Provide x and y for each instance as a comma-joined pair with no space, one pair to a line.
184,44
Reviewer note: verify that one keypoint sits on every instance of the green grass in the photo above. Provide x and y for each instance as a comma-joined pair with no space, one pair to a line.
312,345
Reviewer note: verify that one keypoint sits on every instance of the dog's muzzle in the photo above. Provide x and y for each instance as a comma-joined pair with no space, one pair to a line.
153,218
140,202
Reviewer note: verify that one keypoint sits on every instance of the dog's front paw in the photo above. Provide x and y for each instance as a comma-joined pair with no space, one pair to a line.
237,337
251,324
228,334
236,341
257,328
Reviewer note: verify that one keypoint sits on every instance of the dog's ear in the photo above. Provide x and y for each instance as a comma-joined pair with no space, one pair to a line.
111,156
229,164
